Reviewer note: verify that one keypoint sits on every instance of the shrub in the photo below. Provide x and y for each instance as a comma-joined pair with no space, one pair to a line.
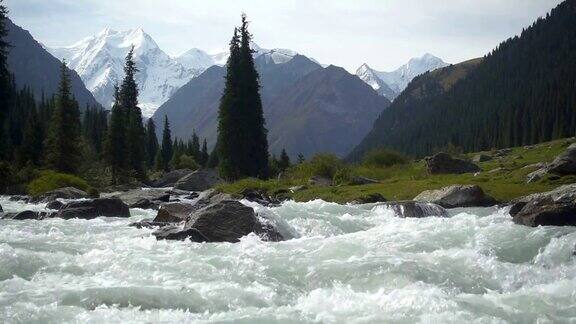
343,175
382,158
186,162
51,180
324,165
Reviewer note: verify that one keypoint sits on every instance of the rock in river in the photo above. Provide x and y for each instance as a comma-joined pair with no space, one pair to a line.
556,207
62,193
415,209
457,196
89,209
199,181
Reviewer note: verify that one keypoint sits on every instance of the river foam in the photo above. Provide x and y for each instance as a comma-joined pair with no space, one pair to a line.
344,263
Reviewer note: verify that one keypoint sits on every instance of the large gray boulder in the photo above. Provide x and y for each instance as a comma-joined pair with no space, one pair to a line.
170,178
565,163
24,215
61,193
556,207
443,163
90,209
228,221
142,198
415,209
174,212
457,196
177,233
199,180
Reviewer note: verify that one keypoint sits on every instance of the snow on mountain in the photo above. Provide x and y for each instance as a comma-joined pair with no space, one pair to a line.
99,60
368,75
398,79
276,55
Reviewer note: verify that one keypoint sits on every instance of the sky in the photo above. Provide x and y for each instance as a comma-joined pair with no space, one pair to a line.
382,33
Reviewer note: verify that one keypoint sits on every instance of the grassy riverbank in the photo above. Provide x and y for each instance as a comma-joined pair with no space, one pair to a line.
503,177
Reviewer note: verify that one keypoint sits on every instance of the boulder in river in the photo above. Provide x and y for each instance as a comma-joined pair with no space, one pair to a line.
135,198
23,215
415,209
228,221
1,210
369,199
56,205
61,193
173,212
199,180
260,197
556,207
457,196
443,163
177,233
168,179
89,209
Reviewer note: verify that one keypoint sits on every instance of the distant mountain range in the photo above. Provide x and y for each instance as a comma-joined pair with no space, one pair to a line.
391,84
308,108
34,67
99,61
523,92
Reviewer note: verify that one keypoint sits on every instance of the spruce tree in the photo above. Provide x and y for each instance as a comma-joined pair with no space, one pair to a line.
115,150
62,142
204,155
284,162
252,113
166,151
32,143
135,133
5,78
228,152
151,143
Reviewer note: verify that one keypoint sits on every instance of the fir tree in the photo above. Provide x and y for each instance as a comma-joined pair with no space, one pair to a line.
166,151
284,162
135,134
115,143
63,138
204,155
5,78
151,143
301,158
32,142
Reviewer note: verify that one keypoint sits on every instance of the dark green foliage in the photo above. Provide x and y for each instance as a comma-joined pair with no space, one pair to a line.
324,165
135,133
284,162
523,92
151,143
94,127
301,158
115,143
50,180
242,144
63,138
32,142
5,78
204,155
383,158
166,152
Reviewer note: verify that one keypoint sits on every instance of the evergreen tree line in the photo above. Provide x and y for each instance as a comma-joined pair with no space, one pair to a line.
523,92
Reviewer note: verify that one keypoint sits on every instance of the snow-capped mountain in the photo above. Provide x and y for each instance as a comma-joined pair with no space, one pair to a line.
398,79
99,60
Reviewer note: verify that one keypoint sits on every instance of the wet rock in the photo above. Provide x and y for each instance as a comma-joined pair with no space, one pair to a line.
556,207
415,209
145,203
19,198
89,209
228,221
358,181
137,196
320,181
173,213
443,163
178,233
23,215
149,223
199,180
169,179
1,210
260,197
370,199
481,158
56,205
457,196
61,193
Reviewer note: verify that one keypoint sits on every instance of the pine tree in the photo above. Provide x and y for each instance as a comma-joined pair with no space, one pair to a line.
284,162
301,158
166,151
62,142
135,134
252,113
151,143
5,79
32,143
115,144
204,155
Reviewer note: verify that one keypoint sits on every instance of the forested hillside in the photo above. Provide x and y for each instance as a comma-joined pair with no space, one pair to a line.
523,92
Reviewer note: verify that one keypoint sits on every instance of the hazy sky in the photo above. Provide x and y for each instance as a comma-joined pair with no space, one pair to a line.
382,33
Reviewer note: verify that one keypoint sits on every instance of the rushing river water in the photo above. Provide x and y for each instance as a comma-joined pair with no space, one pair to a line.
345,264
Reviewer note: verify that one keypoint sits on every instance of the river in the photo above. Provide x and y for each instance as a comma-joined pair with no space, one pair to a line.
344,264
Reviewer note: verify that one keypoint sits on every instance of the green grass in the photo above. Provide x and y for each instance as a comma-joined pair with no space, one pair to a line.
402,182
50,180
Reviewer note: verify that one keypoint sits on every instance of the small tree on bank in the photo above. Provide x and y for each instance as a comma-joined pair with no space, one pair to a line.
165,154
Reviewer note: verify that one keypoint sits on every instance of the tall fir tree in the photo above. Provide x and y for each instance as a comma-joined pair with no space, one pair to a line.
166,151
228,148
284,162
135,134
5,79
32,142
63,139
115,150
151,143
251,111
204,155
